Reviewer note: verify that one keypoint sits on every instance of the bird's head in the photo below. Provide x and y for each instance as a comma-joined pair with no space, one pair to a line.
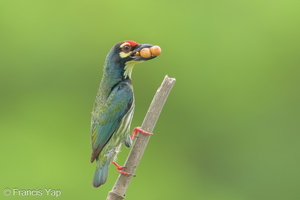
124,55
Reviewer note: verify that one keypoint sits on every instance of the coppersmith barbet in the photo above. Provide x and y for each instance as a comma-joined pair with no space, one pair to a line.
114,106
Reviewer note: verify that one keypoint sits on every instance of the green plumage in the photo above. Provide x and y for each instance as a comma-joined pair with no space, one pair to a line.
113,111
111,121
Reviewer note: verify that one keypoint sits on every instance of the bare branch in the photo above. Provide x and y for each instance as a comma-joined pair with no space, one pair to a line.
136,153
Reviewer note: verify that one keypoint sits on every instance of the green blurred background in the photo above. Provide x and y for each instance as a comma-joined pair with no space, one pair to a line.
229,130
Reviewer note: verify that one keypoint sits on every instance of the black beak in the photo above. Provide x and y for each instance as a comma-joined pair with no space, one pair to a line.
136,52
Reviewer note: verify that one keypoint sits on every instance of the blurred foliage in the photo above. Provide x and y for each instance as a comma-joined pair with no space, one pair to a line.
230,128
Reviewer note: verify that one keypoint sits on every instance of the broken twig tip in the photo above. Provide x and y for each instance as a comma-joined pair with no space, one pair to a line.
170,80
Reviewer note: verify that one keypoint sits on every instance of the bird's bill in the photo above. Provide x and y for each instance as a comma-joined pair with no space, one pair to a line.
142,52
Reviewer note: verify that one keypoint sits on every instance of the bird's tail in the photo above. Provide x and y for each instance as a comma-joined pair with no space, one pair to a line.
101,175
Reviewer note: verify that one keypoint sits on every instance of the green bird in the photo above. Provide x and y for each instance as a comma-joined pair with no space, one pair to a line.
114,106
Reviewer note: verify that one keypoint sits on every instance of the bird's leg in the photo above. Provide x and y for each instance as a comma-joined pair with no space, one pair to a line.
118,166
120,169
138,129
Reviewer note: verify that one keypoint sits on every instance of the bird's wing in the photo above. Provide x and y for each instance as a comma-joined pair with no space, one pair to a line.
111,113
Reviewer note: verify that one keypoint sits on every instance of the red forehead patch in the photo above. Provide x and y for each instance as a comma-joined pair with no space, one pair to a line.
132,43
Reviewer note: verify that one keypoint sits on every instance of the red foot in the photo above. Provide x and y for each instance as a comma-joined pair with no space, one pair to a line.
120,169
138,129
118,166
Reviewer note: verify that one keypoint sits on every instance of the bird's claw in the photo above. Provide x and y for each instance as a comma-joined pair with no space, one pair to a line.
139,129
126,173
120,170
119,167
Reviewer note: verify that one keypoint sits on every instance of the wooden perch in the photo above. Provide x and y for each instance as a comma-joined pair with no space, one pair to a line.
136,153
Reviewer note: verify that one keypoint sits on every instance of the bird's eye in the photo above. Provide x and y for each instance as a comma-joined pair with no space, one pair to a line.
126,48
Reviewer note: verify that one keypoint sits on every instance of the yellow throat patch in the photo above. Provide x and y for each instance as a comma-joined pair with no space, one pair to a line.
129,67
